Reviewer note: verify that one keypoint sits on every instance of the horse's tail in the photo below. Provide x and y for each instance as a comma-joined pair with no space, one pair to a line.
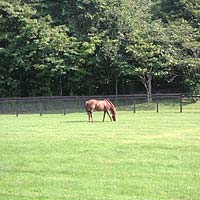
87,107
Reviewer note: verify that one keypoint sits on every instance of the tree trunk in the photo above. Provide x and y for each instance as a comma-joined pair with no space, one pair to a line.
149,90
20,84
147,82
61,85
116,85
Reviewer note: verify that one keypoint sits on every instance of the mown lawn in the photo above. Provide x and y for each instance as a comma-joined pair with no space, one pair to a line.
143,156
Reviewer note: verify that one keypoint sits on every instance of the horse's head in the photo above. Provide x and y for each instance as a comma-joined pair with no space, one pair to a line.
114,117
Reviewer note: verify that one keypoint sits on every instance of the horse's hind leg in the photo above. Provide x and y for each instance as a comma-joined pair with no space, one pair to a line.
90,119
89,115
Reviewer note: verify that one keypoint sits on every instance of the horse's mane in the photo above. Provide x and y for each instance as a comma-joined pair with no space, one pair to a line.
113,107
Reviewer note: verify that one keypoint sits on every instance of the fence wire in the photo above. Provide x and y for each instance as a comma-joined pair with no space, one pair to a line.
71,104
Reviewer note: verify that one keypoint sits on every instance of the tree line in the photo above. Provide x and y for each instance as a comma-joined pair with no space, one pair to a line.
90,47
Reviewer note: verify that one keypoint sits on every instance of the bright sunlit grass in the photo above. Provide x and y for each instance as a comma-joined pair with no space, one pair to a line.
143,156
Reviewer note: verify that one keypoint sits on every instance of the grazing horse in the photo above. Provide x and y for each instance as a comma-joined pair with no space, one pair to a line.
103,105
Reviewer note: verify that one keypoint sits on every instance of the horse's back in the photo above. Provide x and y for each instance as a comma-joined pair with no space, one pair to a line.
90,104
94,104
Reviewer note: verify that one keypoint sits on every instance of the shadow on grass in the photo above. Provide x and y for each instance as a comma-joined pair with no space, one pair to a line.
79,121
74,121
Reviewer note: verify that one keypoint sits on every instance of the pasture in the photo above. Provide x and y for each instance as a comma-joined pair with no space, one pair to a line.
143,156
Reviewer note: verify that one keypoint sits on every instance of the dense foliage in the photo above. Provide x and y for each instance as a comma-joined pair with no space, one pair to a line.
87,47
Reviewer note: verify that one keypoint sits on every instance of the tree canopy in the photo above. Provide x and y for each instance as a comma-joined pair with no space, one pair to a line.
89,47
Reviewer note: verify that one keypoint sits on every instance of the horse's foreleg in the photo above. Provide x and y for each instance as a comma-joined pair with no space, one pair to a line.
104,114
109,116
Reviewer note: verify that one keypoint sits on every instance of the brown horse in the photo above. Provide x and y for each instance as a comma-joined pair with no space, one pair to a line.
103,105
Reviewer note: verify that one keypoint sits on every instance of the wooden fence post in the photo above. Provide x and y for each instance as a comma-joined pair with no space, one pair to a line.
65,107
40,107
134,107
17,112
157,105
181,104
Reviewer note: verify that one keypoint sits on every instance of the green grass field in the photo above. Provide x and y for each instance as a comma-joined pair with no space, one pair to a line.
143,156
